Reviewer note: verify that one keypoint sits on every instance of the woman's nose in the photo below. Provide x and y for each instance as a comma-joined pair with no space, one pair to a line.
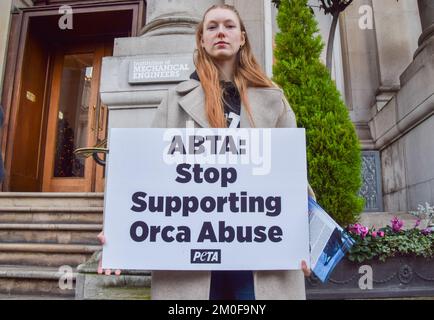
221,33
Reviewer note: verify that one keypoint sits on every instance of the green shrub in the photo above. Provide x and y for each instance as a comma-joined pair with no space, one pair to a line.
333,148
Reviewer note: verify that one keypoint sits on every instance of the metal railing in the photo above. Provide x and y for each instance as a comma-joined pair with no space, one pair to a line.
100,147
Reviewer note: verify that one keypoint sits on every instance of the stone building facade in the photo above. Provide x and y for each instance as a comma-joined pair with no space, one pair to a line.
388,72
67,75
383,66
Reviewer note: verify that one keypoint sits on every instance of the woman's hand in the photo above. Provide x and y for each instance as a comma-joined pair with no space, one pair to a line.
307,272
107,272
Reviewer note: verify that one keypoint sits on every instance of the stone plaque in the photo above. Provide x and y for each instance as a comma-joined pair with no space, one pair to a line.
157,69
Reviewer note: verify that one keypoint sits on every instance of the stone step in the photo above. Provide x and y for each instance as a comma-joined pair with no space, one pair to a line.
39,232
51,199
130,285
50,233
49,255
28,214
34,297
33,282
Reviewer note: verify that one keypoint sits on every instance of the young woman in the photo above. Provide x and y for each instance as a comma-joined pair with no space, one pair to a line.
228,89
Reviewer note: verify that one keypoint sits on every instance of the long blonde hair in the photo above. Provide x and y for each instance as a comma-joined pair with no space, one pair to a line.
247,73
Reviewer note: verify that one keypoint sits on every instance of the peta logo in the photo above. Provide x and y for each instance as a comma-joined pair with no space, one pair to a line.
206,256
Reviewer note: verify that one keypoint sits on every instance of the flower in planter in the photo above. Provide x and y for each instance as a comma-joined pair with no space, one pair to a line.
390,241
359,229
426,231
397,224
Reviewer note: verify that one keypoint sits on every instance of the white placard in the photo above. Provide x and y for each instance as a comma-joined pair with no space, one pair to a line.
206,199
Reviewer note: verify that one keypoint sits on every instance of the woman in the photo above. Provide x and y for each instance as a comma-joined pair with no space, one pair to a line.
228,89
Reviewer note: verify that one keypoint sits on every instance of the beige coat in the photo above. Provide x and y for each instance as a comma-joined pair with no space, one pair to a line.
270,110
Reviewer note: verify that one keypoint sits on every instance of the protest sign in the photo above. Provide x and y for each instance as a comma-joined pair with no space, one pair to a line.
206,199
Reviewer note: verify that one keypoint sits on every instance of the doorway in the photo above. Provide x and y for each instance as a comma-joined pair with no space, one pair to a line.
53,106
76,119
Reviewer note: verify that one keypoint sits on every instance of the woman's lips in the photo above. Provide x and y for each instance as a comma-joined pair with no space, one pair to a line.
221,43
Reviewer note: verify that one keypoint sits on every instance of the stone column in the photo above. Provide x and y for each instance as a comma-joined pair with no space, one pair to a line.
426,12
170,27
397,28
174,17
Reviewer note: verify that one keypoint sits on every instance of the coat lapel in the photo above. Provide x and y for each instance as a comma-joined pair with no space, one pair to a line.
256,108
192,101
244,117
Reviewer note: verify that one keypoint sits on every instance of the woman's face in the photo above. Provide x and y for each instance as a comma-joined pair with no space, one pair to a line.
222,35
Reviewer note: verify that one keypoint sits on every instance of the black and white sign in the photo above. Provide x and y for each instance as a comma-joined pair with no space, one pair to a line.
206,199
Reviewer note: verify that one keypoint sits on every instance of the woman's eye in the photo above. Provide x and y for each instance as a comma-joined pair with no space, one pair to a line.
212,27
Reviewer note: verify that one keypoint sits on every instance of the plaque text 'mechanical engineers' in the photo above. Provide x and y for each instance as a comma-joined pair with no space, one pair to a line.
167,69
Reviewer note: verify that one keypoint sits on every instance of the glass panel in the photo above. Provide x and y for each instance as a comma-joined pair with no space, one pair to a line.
73,117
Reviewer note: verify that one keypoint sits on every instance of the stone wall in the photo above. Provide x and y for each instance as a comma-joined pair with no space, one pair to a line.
361,69
402,128
408,171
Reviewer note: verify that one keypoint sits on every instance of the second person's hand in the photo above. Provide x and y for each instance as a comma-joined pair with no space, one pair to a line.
307,272
100,270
